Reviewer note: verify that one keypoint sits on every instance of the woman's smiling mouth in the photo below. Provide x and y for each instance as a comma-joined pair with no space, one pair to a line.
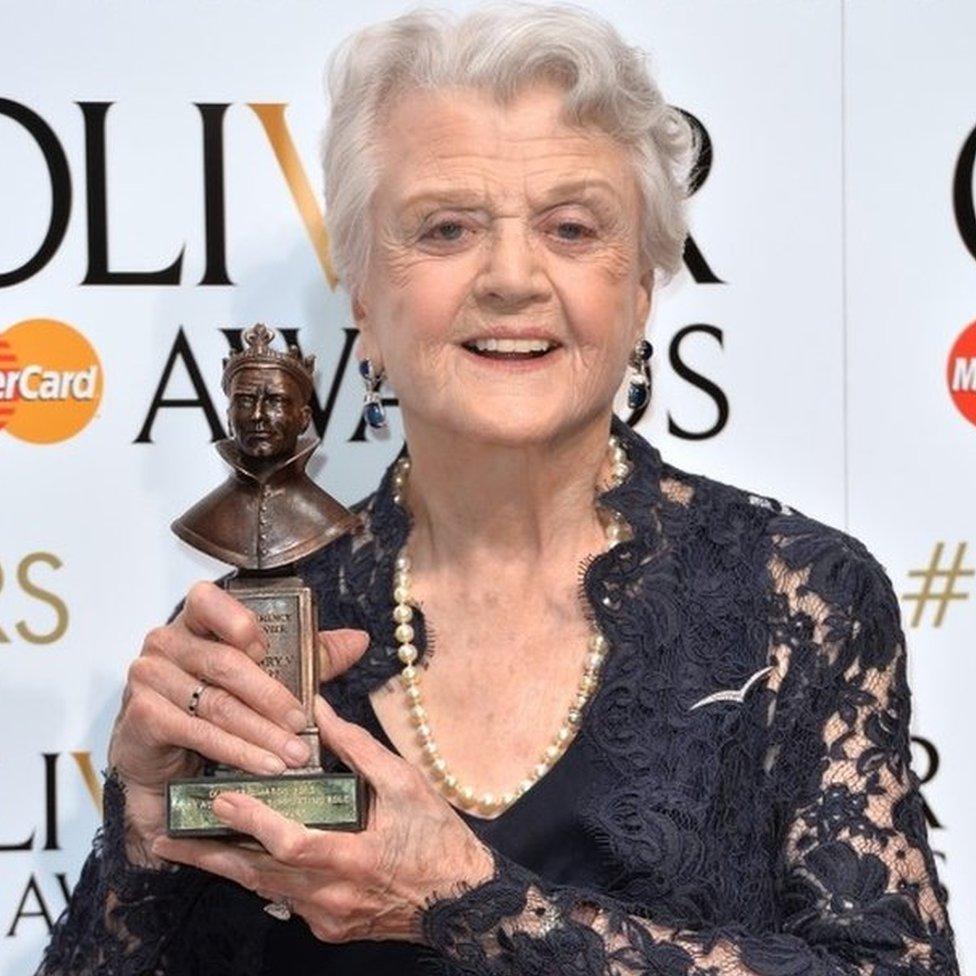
508,349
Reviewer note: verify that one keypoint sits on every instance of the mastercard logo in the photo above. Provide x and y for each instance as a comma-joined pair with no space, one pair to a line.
50,381
961,372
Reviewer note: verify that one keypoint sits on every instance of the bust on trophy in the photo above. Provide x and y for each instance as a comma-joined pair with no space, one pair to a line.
263,519
268,513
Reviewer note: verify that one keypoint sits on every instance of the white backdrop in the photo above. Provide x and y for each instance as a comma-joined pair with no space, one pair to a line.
827,216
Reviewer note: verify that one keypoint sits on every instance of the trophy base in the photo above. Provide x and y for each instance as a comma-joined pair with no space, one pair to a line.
326,801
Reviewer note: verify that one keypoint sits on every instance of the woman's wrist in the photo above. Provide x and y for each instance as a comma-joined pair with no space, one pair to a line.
480,865
143,812
476,869
476,904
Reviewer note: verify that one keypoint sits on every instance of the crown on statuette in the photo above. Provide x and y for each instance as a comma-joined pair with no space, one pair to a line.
258,354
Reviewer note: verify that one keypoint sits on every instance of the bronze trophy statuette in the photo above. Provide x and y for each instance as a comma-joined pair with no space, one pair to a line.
265,517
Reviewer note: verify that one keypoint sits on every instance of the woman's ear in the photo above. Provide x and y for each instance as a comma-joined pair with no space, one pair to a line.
645,297
365,347
358,311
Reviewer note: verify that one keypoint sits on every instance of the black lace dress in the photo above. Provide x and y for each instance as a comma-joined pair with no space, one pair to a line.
739,798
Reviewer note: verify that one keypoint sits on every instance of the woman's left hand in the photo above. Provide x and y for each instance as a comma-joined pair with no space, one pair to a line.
373,884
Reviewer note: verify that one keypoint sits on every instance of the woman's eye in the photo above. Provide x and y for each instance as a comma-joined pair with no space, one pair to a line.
571,230
446,230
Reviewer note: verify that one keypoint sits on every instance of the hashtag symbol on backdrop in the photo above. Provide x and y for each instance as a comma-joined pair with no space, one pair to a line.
948,577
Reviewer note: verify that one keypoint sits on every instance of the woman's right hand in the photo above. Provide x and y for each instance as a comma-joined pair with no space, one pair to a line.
244,718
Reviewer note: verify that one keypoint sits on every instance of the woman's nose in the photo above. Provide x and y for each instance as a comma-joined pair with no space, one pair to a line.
512,273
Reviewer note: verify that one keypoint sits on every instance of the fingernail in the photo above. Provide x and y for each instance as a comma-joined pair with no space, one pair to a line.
297,750
296,720
223,805
272,765
256,650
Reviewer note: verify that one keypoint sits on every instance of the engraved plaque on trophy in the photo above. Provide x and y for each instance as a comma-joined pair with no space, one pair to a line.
263,519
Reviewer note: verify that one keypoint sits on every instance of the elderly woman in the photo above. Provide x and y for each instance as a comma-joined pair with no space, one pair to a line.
617,718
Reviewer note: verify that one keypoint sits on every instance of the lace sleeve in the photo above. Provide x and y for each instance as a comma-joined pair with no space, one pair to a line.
857,887
119,913
128,920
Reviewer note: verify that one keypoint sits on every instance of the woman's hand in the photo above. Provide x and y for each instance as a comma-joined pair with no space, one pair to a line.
244,718
368,885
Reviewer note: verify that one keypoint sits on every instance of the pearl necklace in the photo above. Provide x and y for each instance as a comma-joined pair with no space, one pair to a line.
598,647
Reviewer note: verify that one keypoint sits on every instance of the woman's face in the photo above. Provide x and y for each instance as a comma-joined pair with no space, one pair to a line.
501,223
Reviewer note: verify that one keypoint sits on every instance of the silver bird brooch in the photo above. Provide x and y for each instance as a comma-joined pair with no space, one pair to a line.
732,694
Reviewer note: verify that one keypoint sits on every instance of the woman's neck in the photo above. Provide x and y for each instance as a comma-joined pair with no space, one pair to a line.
513,511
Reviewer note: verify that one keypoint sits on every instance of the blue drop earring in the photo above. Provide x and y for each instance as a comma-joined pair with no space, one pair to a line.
373,412
639,391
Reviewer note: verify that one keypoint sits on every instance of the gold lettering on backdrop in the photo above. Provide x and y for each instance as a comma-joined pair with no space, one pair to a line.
272,118
84,763
43,596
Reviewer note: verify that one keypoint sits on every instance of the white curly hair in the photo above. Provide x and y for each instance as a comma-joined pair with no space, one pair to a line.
499,49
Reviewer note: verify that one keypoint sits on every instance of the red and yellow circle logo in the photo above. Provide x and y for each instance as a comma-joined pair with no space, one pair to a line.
961,372
50,381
